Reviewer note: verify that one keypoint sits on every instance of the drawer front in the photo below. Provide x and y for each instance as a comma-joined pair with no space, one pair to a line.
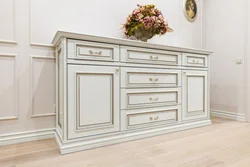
145,118
141,98
143,77
150,56
92,51
195,60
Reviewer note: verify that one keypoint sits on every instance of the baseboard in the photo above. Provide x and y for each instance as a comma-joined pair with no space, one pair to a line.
70,147
228,115
15,138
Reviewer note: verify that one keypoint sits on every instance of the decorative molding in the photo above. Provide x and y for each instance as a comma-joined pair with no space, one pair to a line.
30,34
42,115
8,42
80,145
228,115
15,138
32,57
8,118
14,117
13,42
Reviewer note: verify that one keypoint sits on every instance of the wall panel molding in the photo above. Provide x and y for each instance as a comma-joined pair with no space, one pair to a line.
43,58
12,41
15,116
30,34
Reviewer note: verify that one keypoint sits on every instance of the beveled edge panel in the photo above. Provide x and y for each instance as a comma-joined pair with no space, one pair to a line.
198,112
196,115
153,53
14,117
175,102
126,92
74,45
125,113
32,57
125,77
186,56
148,113
80,127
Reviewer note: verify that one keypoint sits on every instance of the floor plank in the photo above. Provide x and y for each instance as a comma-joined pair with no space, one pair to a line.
225,143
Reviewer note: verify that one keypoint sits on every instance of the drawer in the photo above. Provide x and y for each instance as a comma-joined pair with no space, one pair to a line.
142,98
150,56
146,77
145,118
92,51
194,60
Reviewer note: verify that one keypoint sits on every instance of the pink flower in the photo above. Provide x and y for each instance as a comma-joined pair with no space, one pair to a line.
148,22
136,11
139,16
128,19
163,31
157,12
161,17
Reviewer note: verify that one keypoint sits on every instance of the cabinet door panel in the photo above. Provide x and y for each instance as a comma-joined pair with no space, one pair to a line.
89,112
93,100
195,95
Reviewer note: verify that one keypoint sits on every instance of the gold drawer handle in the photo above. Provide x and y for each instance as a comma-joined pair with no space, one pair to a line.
154,58
95,53
151,79
155,99
156,118
196,61
153,119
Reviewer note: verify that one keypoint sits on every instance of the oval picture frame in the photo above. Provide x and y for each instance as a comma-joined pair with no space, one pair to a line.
190,10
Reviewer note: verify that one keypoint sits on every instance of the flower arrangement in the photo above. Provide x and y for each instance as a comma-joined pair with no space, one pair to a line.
145,22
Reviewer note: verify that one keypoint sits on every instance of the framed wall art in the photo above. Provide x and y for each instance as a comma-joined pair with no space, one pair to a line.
190,10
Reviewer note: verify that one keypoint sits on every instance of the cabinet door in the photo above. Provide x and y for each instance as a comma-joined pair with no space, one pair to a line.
93,100
195,95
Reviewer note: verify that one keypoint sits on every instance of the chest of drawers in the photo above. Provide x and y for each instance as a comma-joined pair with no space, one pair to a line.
114,90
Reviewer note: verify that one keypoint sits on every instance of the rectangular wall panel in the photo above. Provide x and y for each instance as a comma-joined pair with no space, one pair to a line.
43,86
8,95
7,21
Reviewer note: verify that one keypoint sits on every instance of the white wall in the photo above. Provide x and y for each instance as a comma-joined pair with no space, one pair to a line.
27,87
225,34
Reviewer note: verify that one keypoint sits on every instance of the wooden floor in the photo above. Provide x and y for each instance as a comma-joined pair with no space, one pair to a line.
225,143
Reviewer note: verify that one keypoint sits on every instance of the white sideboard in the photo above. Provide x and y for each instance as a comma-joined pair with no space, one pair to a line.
115,90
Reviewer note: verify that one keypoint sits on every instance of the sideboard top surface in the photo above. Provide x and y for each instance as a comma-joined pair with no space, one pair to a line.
127,42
